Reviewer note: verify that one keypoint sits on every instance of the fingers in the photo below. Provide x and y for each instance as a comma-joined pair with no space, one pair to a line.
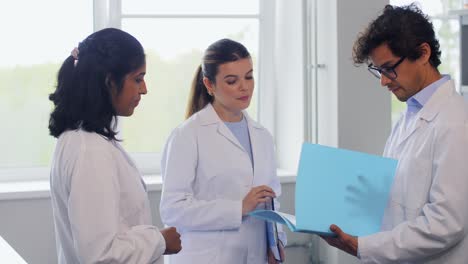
172,238
266,194
169,229
332,241
344,241
354,190
341,235
271,258
335,229
364,182
263,200
263,189
282,254
336,242
256,195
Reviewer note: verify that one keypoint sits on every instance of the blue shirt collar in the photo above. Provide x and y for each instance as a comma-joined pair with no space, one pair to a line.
417,101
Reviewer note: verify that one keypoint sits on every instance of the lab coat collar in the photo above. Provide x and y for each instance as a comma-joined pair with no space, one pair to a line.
251,122
208,116
431,109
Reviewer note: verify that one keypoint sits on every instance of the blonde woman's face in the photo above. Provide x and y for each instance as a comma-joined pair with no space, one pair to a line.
234,85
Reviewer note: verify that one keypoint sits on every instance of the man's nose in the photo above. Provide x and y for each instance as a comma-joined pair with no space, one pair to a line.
384,80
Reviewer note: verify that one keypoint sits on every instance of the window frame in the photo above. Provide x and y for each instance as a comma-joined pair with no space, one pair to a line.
108,13
11,174
148,163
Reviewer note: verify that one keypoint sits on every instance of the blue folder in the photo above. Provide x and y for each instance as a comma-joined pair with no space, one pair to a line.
338,186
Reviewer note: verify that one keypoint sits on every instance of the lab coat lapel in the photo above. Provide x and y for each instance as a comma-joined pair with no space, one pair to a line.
405,134
131,162
225,132
125,154
255,143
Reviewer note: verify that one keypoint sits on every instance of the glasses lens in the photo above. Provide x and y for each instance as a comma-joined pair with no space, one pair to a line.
391,74
374,72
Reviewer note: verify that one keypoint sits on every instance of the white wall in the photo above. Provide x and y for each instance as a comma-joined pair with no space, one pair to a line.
354,111
27,226
364,108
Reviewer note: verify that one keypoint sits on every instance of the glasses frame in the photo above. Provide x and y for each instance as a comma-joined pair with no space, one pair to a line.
388,72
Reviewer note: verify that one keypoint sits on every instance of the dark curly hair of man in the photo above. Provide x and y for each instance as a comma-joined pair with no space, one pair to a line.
403,29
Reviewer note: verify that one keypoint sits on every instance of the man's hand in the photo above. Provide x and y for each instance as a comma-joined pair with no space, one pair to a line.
173,243
343,241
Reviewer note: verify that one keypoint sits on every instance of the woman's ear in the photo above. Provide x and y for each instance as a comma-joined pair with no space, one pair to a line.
208,85
109,82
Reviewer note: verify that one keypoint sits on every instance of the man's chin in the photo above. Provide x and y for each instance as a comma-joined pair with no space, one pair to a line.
399,96
401,99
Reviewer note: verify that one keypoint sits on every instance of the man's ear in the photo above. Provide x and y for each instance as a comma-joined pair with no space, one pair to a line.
425,52
208,85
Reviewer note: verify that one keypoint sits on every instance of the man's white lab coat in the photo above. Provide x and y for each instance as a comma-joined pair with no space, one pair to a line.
427,217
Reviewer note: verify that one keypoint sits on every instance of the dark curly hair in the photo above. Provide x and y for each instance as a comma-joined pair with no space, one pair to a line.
82,98
403,29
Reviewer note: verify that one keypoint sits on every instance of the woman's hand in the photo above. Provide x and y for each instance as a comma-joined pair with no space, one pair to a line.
259,194
271,257
172,238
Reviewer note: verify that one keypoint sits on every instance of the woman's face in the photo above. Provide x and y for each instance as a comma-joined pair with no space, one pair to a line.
133,87
233,87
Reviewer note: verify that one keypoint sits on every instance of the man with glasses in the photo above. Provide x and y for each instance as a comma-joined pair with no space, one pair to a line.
426,219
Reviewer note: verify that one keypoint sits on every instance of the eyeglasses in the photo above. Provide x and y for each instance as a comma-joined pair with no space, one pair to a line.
388,72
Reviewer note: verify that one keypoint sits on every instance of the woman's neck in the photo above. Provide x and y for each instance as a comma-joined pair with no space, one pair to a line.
227,115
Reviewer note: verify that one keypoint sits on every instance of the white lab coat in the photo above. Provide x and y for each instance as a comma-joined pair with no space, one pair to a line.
427,217
206,174
100,205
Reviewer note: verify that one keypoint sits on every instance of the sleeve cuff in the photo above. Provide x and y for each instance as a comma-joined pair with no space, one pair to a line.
363,248
358,255
160,246
233,214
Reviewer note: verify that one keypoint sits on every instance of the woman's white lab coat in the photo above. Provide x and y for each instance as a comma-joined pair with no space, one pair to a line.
426,220
206,174
100,206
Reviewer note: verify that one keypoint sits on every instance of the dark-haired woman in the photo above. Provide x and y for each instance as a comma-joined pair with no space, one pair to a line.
100,205
219,165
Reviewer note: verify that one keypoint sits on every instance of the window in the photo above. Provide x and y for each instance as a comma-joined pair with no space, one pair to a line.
447,30
175,35
34,45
